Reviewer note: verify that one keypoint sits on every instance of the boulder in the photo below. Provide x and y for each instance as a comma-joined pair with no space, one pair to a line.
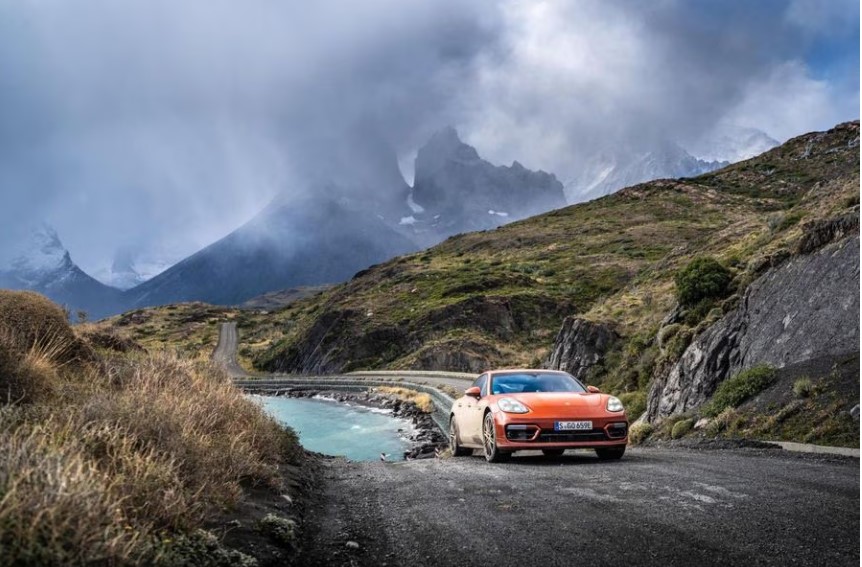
580,345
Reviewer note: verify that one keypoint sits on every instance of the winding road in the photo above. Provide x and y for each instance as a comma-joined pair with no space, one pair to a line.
660,507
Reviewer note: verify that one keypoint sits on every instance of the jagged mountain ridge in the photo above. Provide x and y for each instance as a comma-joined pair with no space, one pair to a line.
456,191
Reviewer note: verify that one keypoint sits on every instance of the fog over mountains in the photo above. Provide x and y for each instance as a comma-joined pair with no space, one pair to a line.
342,226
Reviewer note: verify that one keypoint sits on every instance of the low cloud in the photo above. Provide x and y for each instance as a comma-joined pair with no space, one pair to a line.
166,124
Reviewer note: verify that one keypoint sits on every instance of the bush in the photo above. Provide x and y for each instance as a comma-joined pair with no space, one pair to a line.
722,421
634,402
639,432
736,390
803,387
36,343
703,278
680,428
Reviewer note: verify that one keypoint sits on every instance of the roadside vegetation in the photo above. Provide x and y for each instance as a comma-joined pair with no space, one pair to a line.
122,457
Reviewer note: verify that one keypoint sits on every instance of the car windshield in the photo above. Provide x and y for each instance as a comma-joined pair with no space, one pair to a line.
524,382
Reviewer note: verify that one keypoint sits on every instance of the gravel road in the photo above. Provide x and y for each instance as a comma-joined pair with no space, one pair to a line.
661,507
225,350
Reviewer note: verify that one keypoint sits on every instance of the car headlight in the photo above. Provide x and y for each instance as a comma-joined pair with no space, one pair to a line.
614,404
511,405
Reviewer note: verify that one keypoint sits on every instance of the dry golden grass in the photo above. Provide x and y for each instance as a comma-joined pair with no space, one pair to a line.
112,457
423,401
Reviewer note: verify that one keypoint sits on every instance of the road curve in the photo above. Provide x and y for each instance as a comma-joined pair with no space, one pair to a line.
655,507
228,342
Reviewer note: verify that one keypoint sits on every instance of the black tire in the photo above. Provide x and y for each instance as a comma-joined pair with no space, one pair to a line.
553,452
489,441
454,442
611,453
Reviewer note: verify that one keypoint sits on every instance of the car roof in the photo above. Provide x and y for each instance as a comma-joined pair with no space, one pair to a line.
524,370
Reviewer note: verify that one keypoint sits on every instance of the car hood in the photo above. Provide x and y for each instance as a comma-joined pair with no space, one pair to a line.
560,401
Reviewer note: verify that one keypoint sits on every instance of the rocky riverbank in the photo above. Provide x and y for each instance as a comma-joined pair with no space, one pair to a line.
426,439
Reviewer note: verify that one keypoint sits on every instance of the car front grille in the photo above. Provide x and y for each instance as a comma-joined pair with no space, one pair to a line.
551,436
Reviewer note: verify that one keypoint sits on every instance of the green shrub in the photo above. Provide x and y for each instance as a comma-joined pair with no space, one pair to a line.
803,387
703,278
678,343
680,428
634,402
666,333
736,390
639,432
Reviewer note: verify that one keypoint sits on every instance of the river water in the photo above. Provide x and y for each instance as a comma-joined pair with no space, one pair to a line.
333,428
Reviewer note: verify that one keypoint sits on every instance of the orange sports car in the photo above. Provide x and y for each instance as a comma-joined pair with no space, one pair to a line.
511,410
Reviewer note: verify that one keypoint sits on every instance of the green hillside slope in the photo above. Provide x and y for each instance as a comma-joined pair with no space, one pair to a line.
497,298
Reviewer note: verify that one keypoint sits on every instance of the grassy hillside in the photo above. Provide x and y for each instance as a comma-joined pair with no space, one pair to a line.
497,298
113,456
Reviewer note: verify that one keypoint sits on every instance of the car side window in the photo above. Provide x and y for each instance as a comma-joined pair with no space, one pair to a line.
482,383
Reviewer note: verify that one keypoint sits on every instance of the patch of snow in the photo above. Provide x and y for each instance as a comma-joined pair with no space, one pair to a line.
407,220
415,207
498,213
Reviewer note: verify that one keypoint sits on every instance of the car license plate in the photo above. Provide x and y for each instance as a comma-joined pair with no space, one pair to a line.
573,425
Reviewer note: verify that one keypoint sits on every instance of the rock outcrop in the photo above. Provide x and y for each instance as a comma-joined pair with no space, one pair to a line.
580,345
457,191
805,308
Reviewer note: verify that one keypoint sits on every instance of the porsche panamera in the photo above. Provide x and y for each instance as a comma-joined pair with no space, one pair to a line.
512,410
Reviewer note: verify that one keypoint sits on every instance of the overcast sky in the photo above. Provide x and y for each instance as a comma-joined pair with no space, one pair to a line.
167,123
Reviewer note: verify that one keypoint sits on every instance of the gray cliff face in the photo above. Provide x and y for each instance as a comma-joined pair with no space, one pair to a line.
457,191
579,345
803,309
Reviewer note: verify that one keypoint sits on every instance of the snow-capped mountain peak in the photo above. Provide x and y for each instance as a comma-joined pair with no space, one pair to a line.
41,256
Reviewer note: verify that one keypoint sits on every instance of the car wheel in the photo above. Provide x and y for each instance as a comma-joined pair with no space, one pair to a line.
610,453
553,452
457,449
489,441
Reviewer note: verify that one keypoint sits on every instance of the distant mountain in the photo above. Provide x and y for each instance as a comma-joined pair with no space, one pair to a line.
456,191
732,143
43,264
623,167
618,167
289,244
356,221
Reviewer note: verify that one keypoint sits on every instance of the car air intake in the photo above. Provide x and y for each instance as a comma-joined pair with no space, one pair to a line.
617,430
520,432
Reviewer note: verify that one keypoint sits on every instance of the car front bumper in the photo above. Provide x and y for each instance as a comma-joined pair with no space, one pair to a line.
523,431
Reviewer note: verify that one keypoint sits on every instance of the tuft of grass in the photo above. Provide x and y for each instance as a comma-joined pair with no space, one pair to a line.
726,421
639,432
739,388
803,387
681,428
422,400
281,529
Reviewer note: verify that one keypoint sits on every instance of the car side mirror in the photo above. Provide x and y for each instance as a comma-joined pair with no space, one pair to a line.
474,392
593,390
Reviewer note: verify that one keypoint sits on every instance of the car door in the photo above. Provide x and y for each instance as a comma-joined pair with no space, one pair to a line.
471,413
